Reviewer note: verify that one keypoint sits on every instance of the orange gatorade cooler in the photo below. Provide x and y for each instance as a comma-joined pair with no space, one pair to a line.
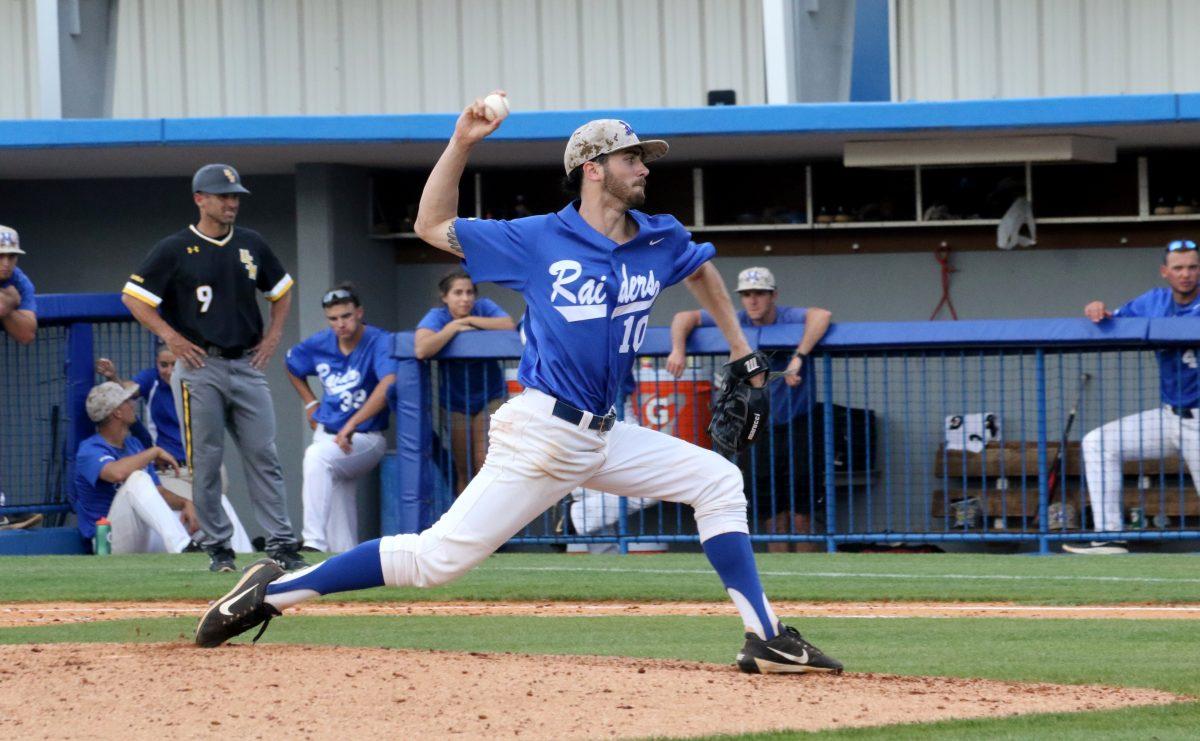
677,406
510,380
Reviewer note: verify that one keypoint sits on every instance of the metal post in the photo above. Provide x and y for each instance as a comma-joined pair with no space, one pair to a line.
830,486
80,372
414,438
1043,492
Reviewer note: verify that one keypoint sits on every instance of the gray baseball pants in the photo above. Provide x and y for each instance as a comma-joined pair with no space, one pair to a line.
233,395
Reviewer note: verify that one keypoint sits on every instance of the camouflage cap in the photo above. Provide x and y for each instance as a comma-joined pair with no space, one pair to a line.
756,279
104,399
10,243
604,136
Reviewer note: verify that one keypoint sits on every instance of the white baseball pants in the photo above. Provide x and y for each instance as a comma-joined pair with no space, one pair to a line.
1154,433
141,520
330,488
533,460
181,486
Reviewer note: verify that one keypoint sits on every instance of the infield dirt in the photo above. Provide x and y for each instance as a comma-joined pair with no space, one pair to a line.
286,691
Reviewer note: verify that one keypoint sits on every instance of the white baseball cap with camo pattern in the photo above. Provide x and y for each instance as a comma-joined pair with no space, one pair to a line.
10,243
756,279
605,136
104,399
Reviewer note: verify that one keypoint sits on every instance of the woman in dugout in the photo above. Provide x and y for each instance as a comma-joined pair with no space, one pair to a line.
467,388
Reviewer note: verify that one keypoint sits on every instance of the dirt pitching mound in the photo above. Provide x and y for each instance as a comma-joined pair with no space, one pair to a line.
278,691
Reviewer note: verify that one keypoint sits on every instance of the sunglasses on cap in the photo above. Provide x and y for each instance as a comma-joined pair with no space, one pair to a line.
338,295
1181,244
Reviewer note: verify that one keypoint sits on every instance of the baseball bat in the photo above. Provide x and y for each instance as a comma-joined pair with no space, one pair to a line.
1054,478
50,495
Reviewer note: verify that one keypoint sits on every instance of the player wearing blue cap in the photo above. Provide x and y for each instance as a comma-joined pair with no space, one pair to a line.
1170,430
589,275
354,365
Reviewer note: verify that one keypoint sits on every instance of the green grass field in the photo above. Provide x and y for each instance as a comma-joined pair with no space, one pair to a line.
1163,654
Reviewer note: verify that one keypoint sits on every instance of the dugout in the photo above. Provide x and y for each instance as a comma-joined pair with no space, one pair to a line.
332,193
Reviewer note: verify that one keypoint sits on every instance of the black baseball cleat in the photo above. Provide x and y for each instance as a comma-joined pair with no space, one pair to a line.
288,559
241,608
786,653
221,560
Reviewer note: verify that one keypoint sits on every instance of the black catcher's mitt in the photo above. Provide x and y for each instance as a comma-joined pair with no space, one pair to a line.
740,410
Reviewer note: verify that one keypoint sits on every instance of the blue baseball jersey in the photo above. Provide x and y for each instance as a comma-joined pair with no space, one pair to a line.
466,386
587,298
787,402
93,495
347,379
24,287
161,420
1178,376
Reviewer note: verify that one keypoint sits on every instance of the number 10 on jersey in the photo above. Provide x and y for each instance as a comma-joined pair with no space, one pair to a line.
637,328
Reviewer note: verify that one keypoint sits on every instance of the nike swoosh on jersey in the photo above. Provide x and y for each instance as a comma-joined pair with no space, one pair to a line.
801,659
656,241
224,606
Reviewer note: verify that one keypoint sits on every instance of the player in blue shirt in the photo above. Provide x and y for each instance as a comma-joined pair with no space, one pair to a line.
589,275
771,466
162,428
18,317
353,363
115,478
18,304
1169,430
467,388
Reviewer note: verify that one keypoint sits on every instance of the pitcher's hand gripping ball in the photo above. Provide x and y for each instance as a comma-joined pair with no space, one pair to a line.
740,410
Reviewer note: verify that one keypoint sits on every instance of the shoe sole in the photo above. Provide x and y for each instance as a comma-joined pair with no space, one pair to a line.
1104,551
223,569
250,572
762,666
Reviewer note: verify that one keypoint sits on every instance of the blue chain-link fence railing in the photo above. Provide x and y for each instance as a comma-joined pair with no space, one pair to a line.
919,433
42,396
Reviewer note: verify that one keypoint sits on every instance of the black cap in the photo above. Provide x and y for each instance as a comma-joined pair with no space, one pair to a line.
218,179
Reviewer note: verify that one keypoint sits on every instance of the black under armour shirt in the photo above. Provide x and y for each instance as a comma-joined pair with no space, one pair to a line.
206,288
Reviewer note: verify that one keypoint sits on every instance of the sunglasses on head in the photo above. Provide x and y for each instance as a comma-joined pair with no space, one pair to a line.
338,295
1181,244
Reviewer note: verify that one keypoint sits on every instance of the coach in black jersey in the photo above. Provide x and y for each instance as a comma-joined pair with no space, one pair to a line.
197,290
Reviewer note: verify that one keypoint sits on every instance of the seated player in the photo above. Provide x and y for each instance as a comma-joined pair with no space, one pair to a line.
1169,430
162,429
353,362
115,478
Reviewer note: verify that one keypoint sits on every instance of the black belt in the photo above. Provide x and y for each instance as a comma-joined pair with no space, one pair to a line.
1181,412
569,413
228,353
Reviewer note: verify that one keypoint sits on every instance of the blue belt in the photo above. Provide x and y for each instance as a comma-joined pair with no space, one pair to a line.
565,411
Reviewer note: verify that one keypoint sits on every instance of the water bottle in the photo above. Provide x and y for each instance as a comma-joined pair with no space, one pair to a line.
102,541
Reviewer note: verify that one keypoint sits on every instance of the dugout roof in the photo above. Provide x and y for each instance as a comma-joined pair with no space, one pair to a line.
106,148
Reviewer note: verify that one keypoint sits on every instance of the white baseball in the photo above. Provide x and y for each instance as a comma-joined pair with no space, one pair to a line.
495,107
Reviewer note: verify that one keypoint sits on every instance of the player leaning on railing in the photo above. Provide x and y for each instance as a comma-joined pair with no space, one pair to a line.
589,275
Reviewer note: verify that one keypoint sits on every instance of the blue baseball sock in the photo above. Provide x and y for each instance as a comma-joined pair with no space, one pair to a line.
357,568
733,558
